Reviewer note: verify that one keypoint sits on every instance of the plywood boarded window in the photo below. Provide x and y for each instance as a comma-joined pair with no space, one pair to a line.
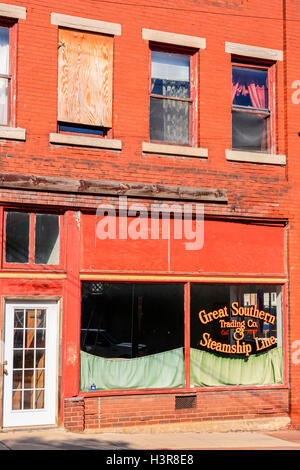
85,68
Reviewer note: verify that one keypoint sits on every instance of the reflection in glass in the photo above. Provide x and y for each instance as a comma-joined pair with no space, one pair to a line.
17,379
17,400
40,358
18,359
29,378
29,359
18,339
17,237
28,399
18,318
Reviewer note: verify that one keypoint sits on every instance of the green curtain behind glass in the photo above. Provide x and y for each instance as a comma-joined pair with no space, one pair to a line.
210,370
163,370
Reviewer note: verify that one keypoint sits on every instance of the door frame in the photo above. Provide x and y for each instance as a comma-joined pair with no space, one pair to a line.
33,298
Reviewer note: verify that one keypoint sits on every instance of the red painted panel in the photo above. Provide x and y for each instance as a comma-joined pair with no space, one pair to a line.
228,248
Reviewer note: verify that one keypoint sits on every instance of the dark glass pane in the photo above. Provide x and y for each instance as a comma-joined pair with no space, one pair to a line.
41,319
19,318
133,320
40,358
79,129
28,400
169,120
17,379
46,239
17,400
29,378
17,237
170,74
29,359
18,359
39,399
249,131
40,338
18,339
250,87
227,314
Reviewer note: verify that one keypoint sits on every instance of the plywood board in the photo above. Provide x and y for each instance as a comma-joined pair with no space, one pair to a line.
85,68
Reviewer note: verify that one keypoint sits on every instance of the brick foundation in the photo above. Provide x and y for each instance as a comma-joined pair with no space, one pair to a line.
132,410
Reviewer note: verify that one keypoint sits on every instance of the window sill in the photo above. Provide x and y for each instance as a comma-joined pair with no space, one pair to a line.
66,139
12,133
169,149
255,157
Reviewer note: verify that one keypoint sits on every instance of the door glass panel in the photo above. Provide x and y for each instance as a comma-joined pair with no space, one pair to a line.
28,361
19,318
30,318
17,400
18,339
39,399
17,379
28,400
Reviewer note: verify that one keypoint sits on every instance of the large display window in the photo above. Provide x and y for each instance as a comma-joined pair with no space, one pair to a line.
136,335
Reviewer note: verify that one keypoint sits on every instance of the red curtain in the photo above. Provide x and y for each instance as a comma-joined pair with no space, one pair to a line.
257,93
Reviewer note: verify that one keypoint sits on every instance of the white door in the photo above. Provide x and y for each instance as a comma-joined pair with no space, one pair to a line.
30,363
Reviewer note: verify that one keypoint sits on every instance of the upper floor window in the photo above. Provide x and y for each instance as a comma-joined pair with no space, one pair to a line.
172,96
252,108
32,239
85,70
7,73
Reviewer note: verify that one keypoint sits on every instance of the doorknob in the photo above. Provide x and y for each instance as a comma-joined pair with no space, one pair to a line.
5,371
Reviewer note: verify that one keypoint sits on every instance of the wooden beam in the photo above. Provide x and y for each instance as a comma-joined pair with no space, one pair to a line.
113,188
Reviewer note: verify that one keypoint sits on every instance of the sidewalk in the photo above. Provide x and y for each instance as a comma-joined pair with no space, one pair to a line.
60,439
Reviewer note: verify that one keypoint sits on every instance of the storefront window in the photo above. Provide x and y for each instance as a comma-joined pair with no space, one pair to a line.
236,335
132,335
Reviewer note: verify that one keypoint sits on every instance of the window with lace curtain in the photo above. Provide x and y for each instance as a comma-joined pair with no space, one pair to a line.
173,96
252,107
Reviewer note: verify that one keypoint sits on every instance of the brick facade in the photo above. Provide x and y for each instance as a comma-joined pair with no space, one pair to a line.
256,192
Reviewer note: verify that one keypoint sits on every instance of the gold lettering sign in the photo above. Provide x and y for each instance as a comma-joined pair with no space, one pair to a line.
237,328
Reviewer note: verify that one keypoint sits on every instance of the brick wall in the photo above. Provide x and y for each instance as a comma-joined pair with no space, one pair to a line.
107,412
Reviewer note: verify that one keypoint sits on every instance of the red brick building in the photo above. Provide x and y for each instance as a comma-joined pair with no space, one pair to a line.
190,106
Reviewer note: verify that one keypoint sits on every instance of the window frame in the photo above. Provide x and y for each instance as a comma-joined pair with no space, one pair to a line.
187,337
107,131
30,265
270,68
12,25
194,67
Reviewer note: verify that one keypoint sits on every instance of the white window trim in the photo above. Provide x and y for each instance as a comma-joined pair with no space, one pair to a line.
85,24
255,157
67,139
12,11
173,38
12,133
253,51
170,149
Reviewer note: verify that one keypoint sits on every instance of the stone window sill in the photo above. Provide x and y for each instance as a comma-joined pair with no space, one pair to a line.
255,157
169,149
66,139
12,133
